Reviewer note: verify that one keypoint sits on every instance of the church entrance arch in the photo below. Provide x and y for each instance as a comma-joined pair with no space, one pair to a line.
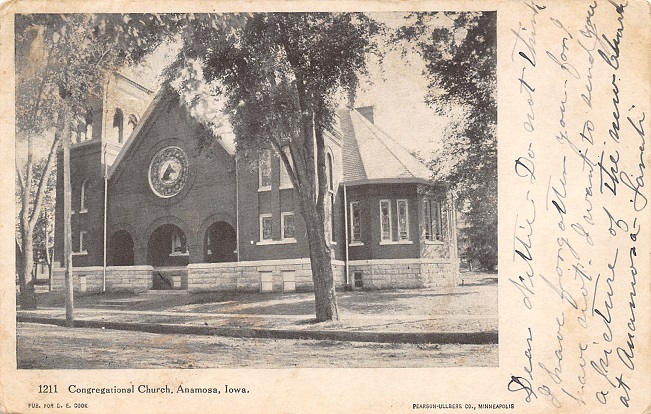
220,243
121,249
167,252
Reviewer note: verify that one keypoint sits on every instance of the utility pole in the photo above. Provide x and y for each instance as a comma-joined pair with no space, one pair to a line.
67,225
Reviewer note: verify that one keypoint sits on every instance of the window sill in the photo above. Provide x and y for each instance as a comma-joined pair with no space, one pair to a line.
83,211
385,243
434,242
81,253
263,189
352,244
333,243
271,242
286,187
179,254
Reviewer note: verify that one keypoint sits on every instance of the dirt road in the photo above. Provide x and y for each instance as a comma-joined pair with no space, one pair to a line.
53,347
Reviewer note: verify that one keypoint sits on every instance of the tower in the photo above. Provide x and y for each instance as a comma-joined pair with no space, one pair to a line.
113,113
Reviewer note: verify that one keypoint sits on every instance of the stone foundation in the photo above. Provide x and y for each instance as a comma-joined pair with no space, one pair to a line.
402,274
118,279
255,276
293,275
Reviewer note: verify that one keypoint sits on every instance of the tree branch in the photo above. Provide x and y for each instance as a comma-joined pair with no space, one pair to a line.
19,175
40,192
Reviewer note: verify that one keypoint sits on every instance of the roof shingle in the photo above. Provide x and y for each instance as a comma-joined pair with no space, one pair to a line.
372,156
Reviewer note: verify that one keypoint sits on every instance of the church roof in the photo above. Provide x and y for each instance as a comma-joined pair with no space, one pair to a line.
369,154
165,92
372,156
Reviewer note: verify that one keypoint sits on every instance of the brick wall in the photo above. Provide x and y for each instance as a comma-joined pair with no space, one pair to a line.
207,197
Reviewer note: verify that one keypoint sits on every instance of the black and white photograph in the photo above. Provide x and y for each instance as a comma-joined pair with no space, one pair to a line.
321,182
325,207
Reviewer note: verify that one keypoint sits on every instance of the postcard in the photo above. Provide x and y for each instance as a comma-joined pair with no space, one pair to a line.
337,207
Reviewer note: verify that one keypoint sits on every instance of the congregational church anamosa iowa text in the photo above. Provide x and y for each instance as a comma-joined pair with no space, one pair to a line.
150,211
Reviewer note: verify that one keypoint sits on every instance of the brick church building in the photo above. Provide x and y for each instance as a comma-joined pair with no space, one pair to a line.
150,211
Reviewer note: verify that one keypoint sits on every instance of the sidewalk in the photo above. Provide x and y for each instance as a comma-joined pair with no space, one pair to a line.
464,314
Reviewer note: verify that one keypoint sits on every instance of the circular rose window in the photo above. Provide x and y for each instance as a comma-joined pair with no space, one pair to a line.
168,172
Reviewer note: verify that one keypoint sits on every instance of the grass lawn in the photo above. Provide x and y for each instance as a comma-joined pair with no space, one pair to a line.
468,307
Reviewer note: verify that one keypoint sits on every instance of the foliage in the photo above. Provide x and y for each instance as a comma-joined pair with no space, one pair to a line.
461,59
280,75
62,59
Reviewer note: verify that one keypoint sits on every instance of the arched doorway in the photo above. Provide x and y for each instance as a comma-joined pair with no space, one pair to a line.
220,243
121,249
167,252
167,247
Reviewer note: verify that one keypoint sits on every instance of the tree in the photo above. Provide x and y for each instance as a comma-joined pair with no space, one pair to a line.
60,61
280,75
460,52
43,238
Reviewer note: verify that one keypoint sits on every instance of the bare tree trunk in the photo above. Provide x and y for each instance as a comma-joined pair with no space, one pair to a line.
67,226
48,256
28,219
27,294
325,300
26,279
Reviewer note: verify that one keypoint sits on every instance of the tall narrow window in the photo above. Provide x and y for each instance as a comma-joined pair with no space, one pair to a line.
355,223
131,126
288,226
438,221
81,132
403,220
118,125
331,197
433,220
264,170
285,181
329,173
385,220
427,214
89,125
82,241
266,227
178,242
83,204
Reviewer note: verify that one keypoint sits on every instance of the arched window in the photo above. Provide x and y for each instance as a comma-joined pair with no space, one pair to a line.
83,197
78,132
131,125
330,206
178,242
329,172
88,133
264,170
118,125
285,181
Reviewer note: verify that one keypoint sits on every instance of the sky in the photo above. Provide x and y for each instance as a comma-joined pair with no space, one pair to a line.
398,94
399,108
396,91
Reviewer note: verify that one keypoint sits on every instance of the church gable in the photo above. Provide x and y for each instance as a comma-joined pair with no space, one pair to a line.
162,179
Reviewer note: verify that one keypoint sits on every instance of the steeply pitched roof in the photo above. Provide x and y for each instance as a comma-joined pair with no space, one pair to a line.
372,156
166,92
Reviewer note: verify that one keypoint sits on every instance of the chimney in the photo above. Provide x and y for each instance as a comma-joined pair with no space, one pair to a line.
367,112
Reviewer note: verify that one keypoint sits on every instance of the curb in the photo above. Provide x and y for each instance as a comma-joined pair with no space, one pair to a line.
466,338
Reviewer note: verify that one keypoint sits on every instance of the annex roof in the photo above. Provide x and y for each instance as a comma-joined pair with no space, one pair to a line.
372,156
